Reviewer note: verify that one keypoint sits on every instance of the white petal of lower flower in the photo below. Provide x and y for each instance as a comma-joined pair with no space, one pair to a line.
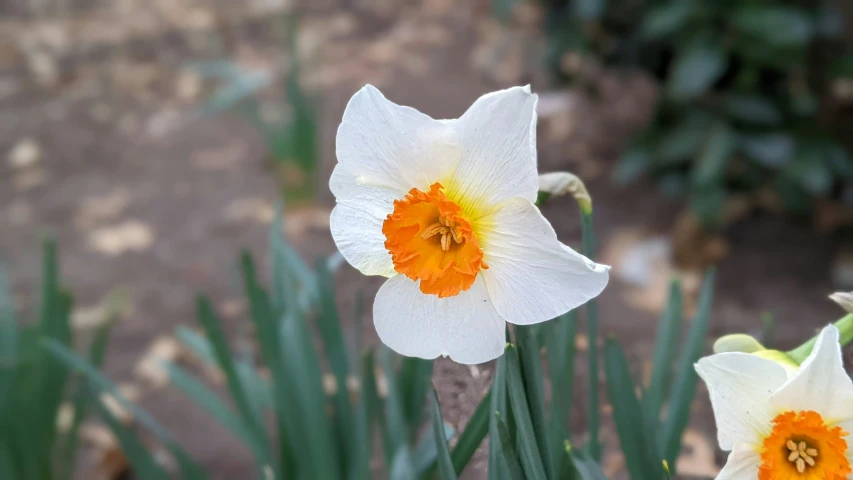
498,134
821,383
742,464
356,225
532,277
740,386
387,145
464,327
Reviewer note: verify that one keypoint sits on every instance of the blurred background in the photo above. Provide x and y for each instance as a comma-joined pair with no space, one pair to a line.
154,139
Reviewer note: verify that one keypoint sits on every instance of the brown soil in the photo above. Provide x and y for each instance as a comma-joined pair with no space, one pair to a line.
189,183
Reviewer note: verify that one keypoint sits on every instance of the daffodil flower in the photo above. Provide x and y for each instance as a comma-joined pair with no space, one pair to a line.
445,209
779,424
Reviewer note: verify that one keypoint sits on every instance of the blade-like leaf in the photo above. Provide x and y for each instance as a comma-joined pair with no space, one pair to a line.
336,351
143,464
585,466
288,419
696,69
531,371
425,454
208,400
473,434
225,360
509,456
445,464
8,342
498,468
561,367
100,382
635,434
531,458
685,382
666,339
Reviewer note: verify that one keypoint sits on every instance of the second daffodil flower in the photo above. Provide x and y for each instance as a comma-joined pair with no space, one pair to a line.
445,209
781,425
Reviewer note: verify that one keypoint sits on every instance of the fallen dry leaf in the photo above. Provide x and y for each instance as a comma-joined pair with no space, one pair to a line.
130,392
30,178
255,209
128,236
25,154
150,369
101,208
644,261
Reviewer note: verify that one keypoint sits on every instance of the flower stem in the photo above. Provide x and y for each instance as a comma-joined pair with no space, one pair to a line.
845,328
588,235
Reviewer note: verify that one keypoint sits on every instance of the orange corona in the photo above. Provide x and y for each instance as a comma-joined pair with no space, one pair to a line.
803,447
431,240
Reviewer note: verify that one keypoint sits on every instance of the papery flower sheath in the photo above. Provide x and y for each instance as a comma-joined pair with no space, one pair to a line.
779,423
445,209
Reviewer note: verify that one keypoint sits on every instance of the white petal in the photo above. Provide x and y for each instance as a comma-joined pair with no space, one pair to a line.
742,464
821,383
498,135
386,145
532,277
465,327
740,386
356,225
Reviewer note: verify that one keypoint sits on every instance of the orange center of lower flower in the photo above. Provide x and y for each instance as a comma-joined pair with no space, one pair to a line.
431,240
803,447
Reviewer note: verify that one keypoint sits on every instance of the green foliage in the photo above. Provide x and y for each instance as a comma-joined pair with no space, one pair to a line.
742,85
37,376
320,434
289,125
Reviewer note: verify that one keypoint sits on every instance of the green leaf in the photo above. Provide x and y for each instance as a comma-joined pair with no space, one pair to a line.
336,352
398,428
664,20
498,469
810,170
775,25
224,359
143,464
717,152
473,434
208,400
752,108
402,464
413,380
507,449
288,421
100,382
8,342
366,410
683,141
589,9
585,466
561,367
667,337
772,150
97,354
303,367
529,353
531,458
426,453
636,433
588,238
696,69
632,164
684,388
445,464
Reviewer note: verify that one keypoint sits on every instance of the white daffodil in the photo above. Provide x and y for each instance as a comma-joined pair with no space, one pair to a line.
779,424
444,208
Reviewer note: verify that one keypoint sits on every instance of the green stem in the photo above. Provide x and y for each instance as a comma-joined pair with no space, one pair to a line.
845,328
588,234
